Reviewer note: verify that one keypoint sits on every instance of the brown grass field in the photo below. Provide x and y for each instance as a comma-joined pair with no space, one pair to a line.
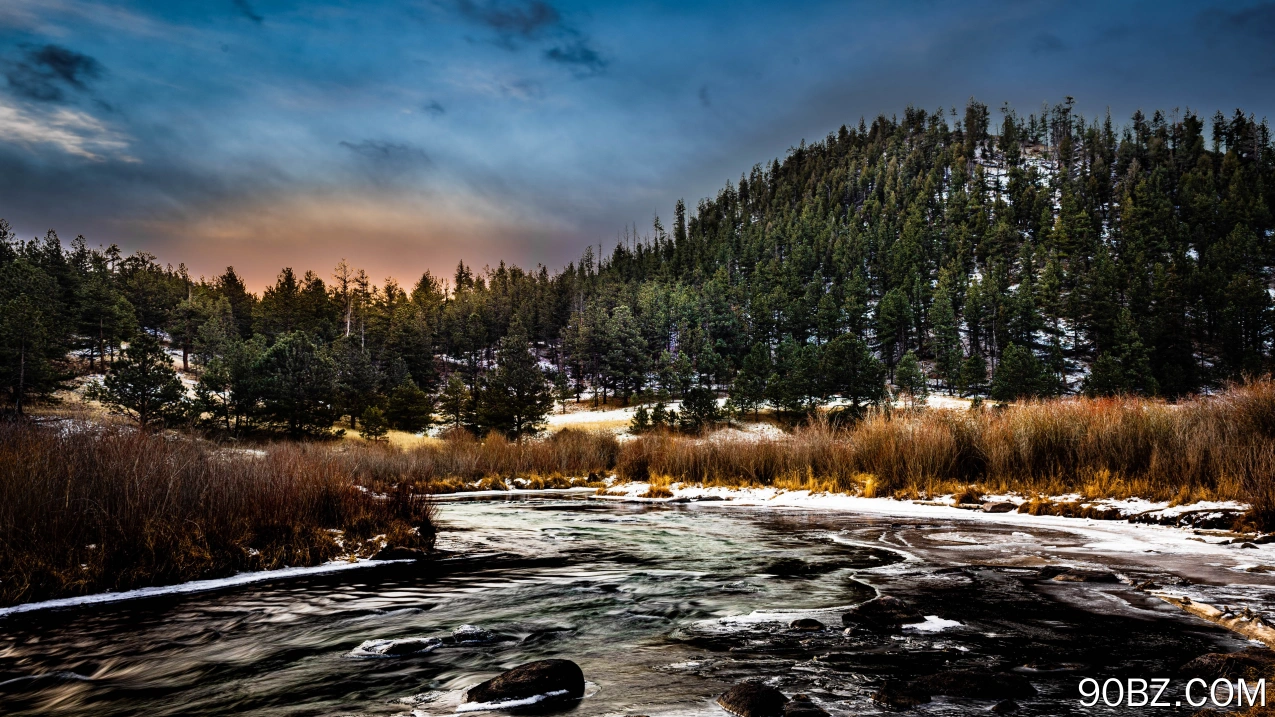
89,507
86,507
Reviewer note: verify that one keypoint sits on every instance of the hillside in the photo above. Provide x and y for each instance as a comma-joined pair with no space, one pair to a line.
1028,257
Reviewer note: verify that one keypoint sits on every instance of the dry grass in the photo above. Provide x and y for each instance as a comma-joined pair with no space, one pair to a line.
1219,447
462,462
89,507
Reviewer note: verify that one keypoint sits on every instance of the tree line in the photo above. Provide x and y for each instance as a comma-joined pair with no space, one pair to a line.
1044,255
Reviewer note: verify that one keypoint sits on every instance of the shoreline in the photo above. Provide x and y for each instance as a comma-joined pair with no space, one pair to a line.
1110,536
195,586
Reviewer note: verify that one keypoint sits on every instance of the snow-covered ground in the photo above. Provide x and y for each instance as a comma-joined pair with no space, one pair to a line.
1109,536
195,586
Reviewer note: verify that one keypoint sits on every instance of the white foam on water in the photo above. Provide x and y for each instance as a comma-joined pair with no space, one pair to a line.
508,704
385,648
933,623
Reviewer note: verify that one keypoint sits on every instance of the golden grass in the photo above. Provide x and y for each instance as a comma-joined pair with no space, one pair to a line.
1213,447
462,462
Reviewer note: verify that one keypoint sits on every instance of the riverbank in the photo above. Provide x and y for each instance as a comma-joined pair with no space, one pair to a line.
91,508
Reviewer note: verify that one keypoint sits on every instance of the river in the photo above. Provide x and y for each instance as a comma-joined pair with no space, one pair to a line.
663,607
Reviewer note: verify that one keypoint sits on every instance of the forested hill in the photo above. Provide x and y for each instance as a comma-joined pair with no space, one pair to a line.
1027,256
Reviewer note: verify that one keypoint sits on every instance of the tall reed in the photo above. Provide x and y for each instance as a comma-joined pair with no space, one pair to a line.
86,508
1220,446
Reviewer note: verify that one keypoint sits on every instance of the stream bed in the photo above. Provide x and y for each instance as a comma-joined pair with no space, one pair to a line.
663,607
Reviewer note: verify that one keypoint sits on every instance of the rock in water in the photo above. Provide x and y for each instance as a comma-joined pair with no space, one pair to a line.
553,681
398,552
806,624
1004,707
803,706
898,695
882,614
977,684
1078,575
753,699
469,634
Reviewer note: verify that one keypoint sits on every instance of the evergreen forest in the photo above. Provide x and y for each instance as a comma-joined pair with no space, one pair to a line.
982,253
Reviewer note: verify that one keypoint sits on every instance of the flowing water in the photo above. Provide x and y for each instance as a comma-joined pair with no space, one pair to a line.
663,607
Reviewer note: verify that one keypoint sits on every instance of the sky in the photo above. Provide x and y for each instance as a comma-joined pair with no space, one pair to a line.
410,135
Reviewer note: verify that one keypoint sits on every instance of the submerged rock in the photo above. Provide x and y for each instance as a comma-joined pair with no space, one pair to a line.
977,684
806,624
882,614
1251,663
1004,707
398,552
542,683
899,695
803,706
397,648
469,634
1078,575
753,699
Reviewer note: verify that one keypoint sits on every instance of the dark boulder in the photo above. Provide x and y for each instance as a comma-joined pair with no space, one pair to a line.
1003,506
882,614
977,684
398,552
753,699
555,681
898,695
1004,707
1251,663
803,706
806,624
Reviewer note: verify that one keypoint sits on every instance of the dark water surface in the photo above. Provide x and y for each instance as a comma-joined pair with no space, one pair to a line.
663,608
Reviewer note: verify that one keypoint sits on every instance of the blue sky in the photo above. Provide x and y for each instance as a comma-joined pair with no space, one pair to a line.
411,135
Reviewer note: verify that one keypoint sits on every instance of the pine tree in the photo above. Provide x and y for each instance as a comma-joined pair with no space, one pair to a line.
947,338
144,385
748,390
374,426
1018,375
910,381
699,410
455,402
298,385
849,370
517,397
409,408
973,375
1125,367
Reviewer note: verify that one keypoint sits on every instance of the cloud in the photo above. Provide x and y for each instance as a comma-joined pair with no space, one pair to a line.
1047,42
71,131
519,21
389,160
508,19
246,10
44,72
577,54
435,109
525,90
